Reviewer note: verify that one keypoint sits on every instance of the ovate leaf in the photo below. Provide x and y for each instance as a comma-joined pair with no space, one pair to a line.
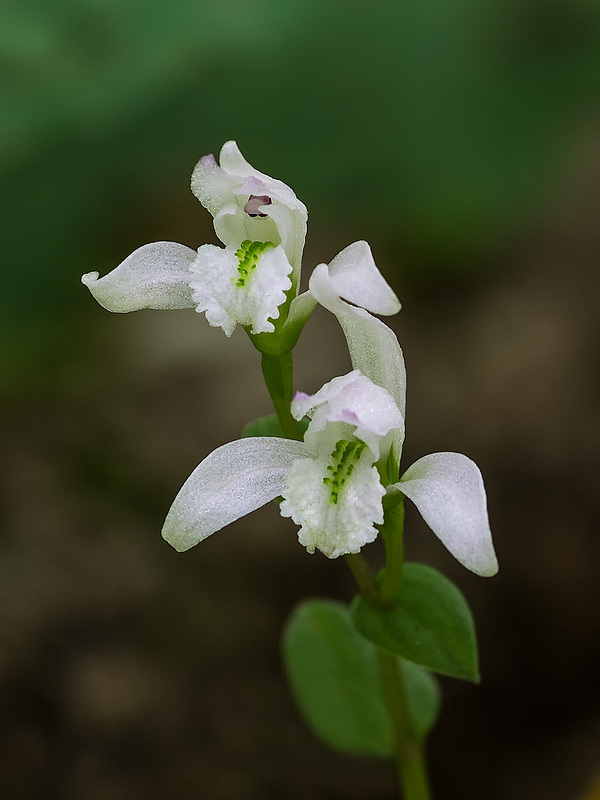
431,624
335,679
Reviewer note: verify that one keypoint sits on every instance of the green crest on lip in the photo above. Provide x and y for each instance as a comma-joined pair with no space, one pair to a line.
343,460
248,255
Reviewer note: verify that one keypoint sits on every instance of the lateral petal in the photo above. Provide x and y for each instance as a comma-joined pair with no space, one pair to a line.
153,276
448,490
232,481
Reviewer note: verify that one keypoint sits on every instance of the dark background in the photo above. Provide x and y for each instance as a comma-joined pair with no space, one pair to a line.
461,139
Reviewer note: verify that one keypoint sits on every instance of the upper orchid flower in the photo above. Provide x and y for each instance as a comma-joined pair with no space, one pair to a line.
262,224
329,483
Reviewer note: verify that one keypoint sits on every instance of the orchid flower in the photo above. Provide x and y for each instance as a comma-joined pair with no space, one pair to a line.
262,224
329,483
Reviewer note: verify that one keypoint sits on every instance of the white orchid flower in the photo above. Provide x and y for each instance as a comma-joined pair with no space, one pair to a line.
330,484
447,488
262,224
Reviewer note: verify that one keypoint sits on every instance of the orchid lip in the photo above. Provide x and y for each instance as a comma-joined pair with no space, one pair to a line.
255,201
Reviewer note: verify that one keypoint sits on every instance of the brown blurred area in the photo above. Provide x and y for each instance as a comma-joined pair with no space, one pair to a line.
129,671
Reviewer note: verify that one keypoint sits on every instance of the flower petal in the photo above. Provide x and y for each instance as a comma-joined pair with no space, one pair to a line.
374,349
212,185
234,163
232,481
153,276
233,227
355,400
354,276
340,526
448,490
246,285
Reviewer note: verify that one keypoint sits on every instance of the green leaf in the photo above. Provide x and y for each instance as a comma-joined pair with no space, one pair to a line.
264,426
269,426
335,678
424,698
430,625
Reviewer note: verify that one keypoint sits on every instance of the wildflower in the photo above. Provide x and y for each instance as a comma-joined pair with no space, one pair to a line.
262,225
330,484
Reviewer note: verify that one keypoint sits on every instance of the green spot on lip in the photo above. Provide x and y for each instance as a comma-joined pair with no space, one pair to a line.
248,255
344,458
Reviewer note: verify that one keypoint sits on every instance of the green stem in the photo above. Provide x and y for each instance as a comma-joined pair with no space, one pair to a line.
408,750
364,578
392,532
278,375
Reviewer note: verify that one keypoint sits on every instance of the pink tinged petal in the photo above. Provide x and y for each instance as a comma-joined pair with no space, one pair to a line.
448,490
232,481
374,348
353,399
234,163
354,276
153,276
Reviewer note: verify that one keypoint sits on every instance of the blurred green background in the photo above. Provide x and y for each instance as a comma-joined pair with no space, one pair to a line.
460,139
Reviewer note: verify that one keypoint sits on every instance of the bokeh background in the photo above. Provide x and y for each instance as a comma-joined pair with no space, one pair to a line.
461,139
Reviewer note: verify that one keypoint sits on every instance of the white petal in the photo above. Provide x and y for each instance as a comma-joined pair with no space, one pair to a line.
212,185
153,276
229,296
334,528
232,481
448,490
234,163
355,400
354,276
374,348
233,225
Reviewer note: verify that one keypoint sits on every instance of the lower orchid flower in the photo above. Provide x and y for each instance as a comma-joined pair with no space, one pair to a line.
329,483
332,483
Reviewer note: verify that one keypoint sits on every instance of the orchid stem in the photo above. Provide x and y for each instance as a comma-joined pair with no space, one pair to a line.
412,774
408,751
364,578
278,375
392,532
